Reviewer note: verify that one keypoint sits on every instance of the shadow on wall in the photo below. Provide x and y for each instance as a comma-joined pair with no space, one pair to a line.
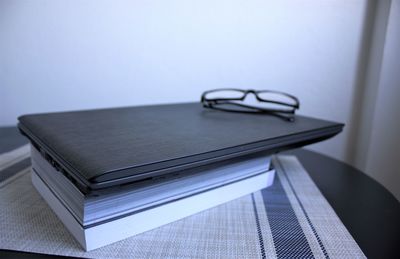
372,135
361,113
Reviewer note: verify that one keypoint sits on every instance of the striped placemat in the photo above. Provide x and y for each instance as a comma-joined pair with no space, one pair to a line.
290,219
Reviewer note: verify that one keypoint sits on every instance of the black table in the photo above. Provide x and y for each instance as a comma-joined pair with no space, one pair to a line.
366,208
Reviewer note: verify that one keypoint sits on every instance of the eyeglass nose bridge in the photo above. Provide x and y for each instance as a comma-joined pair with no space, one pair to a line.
250,91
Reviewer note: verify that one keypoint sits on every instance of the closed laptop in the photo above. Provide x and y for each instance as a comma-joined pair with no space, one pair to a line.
107,147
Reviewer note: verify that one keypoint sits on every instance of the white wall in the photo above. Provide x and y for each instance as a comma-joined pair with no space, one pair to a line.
383,152
60,55
65,55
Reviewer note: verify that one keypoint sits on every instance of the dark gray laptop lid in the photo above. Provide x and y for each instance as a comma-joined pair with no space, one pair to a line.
105,147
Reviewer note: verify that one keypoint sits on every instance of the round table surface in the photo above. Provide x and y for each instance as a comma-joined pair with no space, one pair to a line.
370,212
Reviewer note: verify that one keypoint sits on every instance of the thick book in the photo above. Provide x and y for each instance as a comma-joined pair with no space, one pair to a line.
113,203
103,148
106,232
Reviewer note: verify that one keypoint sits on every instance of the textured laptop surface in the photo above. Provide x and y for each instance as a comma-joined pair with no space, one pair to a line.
108,145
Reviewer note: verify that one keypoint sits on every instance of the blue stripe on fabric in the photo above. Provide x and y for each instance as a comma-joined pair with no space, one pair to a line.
321,245
260,237
287,234
14,169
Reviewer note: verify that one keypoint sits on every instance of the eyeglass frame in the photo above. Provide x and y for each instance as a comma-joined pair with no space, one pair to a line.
210,102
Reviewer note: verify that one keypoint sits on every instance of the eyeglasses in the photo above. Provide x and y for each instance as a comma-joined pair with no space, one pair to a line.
274,103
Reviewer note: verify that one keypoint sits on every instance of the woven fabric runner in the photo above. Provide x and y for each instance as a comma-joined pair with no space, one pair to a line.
290,219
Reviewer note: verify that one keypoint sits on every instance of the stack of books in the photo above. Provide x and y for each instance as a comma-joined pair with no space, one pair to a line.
114,173
102,217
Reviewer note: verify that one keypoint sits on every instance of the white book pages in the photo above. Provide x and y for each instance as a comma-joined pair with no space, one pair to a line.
103,234
117,202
